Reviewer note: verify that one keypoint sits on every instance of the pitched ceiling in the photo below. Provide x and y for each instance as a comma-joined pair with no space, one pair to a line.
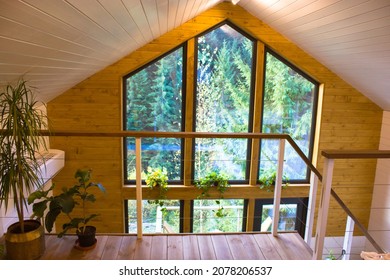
55,44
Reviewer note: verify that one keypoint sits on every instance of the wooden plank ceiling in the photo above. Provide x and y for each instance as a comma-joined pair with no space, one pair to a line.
57,43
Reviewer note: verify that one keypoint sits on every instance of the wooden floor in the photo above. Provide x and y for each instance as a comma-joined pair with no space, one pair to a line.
242,246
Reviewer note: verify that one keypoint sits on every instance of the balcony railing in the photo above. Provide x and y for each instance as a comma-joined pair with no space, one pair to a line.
316,177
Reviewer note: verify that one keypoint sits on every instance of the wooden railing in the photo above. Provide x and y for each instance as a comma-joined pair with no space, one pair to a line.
327,190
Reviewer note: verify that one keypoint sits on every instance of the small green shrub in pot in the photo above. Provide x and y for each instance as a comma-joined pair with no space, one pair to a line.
65,203
158,179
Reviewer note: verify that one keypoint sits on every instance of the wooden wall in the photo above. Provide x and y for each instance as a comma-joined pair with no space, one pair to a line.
348,121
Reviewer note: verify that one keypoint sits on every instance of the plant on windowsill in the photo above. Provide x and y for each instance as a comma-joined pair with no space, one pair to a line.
268,178
66,202
158,179
213,180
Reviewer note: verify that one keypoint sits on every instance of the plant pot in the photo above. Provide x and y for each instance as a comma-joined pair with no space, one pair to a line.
29,245
86,238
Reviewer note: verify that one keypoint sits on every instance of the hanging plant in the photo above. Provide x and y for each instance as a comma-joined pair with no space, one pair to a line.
268,179
213,180
158,179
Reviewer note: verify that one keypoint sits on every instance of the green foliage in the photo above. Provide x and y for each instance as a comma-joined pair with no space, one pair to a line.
158,179
268,178
224,81
288,108
206,220
223,100
213,180
21,121
65,203
154,103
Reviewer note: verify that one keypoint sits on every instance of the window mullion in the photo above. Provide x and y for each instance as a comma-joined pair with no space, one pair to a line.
189,94
257,112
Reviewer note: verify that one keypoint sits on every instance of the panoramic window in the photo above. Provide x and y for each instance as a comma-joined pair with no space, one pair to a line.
289,103
154,99
223,101
154,102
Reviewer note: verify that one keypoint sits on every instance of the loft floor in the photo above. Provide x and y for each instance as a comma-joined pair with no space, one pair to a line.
241,246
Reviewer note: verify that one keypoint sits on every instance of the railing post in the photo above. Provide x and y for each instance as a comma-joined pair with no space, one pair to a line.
348,238
278,187
311,207
323,208
138,180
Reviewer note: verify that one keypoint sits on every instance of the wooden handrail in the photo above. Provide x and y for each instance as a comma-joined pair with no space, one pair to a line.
356,154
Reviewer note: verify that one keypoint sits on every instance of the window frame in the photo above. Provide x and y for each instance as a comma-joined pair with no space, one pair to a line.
251,97
314,111
126,213
302,206
182,46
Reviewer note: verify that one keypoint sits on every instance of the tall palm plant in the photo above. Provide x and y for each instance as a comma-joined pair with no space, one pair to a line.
21,122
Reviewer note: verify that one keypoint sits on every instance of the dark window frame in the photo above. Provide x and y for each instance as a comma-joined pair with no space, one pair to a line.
124,103
314,111
302,205
251,98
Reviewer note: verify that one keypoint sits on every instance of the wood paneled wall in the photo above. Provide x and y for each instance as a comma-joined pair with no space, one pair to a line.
348,120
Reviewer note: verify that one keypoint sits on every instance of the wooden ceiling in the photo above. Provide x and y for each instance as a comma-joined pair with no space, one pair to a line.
57,43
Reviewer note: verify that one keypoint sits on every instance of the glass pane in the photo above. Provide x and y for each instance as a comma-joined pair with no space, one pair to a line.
227,156
288,108
206,213
154,103
153,219
156,153
287,217
223,90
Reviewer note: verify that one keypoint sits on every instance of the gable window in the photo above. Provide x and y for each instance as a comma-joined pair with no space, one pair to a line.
223,71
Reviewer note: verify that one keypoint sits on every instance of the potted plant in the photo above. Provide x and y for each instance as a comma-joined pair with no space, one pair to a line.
21,122
66,202
158,179
213,180
267,181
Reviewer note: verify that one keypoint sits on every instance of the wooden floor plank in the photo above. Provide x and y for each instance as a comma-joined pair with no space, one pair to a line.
191,247
159,247
143,248
240,246
52,243
244,247
206,249
111,250
127,248
302,249
265,245
175,247
221,247
282,243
